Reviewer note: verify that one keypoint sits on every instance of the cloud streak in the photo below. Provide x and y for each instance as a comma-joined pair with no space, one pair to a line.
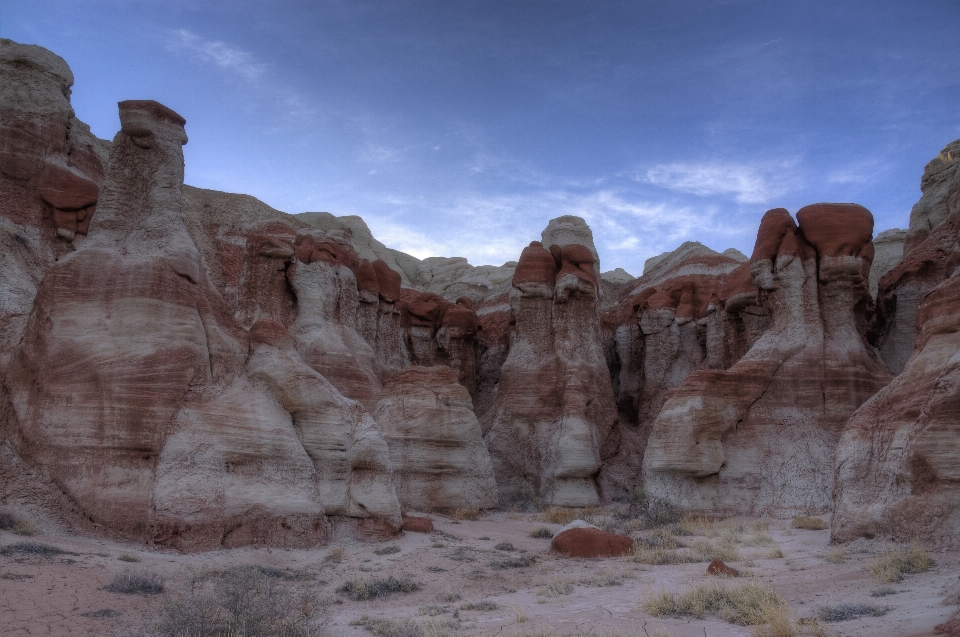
217,53
743,183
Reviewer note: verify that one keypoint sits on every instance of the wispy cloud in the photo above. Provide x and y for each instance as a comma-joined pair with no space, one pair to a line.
218,53
743,183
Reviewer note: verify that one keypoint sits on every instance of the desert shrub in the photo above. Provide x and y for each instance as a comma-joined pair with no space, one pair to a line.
809,523
520,498
836,555
505,546
883,591
30,548
774,554
542,532
761,537
465,513
522,561
136,583
778,621
359,589
725,549
892,566
746,605
129,558
653,511
485,604
843,612
239,601
555,588
10,521
335,555
388,550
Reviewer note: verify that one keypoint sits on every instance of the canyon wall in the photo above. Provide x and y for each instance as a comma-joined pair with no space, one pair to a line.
196,369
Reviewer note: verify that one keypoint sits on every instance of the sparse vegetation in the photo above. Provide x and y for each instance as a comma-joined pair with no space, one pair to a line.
746,605
388,550
129,558
836,555
520,615
843,612
359,589
725,549
335,555
555,588
30,548
136,583
505,546
405,627
432,610
542,532
16,524
239,601
603,578
660,557
466,513
481,605
646,511
809,523
883,591
559,515
522,561
893,565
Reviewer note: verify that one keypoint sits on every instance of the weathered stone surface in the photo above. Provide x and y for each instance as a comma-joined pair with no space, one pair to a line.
888,252
554,404
436,446
897,462
763,431
414,524
717,567
579,539
346,445
131,329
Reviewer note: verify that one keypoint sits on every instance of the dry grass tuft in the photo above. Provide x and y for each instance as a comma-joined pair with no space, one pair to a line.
559,515
387,550
16,524
746,604
485,604
603,578
522,561
836,555
660,557
892,566
129,558
519,614
136,583
405,627
466,513
778,621
335,555
555,588
809,523
359,589
725,549
542,532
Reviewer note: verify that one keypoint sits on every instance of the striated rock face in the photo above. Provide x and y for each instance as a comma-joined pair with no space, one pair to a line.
898,462
888,253
758,437
325,286
554,406
436,446
896,465
131,329
51,168
344,442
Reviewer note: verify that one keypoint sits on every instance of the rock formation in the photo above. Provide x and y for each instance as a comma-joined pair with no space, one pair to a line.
758,437
198,369
579,539
436,447
897,462
554,405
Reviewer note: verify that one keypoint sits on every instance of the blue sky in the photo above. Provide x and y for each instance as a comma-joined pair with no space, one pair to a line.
458,128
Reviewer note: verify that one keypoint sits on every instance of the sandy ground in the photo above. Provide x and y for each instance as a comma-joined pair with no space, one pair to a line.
57,595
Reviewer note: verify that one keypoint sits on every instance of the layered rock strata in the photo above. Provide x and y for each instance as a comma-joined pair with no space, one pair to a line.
554,405
758,437
437,451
